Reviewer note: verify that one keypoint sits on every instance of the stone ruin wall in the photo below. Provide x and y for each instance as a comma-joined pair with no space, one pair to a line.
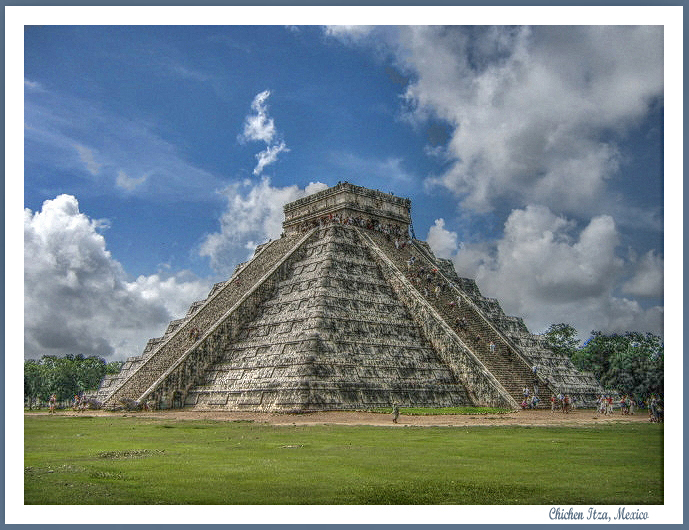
348,200
333,337
139,373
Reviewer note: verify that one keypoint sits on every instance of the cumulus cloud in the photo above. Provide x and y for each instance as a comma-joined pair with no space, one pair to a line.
260,127
254,214
533,110
648,277
77,298
536,116
442,241
547,269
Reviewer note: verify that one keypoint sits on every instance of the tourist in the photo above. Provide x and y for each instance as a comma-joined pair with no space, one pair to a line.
51,403
565,404
601,404
552,403
655,409
395,412
534,402
491,346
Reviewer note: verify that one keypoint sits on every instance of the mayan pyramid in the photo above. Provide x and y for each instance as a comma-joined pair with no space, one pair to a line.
345,311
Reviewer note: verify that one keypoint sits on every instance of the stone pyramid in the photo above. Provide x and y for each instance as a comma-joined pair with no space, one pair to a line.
345,311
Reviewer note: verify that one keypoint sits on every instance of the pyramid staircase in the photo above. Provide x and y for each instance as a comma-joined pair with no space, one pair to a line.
516,351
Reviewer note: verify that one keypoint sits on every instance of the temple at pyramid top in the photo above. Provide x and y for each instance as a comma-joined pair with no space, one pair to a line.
371,208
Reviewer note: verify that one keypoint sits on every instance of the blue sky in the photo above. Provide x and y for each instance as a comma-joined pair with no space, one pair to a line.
533,157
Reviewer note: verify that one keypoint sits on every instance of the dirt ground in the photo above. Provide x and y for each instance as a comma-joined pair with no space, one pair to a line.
524,417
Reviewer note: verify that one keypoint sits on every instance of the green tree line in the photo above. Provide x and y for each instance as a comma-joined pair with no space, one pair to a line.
630,363
63,376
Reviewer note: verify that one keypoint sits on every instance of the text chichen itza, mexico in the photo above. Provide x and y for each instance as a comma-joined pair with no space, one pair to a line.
345,311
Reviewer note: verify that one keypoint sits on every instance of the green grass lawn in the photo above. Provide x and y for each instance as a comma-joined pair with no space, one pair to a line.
131,460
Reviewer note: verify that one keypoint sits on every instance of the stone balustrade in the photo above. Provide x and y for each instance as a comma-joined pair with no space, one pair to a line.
484,388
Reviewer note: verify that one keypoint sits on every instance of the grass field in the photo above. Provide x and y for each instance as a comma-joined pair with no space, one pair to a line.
130,460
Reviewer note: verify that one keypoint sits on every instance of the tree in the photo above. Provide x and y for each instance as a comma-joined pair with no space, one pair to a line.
33,381
63,376
562,338
114,367
632,363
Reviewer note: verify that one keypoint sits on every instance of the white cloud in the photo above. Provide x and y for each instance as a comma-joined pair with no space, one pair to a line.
648,277
87,156
254,215
268,156
129,183
533,110
442,241
76,296
260,127
349,32
547,269
32,85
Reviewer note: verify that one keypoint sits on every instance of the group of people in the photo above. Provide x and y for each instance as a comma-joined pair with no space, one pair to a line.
563,402
628,405
389,229
606,404
530,401
428,280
